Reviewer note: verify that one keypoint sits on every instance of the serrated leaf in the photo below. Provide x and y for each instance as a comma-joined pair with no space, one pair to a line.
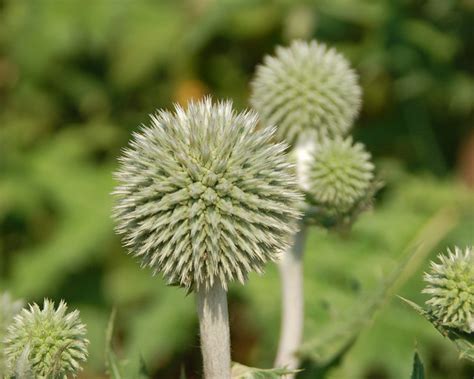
240,371
464,341
418,371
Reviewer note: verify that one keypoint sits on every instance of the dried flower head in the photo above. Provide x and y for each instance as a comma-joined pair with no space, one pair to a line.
204,195
8,309
450,284
306,86
48,342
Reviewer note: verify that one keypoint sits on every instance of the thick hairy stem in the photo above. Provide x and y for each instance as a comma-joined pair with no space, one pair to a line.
214,329
292,303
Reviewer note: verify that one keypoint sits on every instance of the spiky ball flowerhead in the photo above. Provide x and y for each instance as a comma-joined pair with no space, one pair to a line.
450,284
340,174
8,309
306,86
204,195
48,342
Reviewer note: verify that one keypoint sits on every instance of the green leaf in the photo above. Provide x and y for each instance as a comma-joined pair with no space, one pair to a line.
464,341
418,371
125,369
112,363
415,306
335,340
240,371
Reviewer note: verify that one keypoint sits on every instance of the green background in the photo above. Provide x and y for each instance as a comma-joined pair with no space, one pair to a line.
77,77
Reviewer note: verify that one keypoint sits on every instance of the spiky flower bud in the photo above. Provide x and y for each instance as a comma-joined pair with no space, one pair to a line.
450,284
205,196
338,178
306,86
48,342
8,309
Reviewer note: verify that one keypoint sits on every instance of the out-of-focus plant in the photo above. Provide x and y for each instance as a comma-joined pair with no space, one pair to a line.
205,198
312,95
339,182
9,307
45,342
306,87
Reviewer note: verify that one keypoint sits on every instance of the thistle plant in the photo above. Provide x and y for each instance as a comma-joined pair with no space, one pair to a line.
306,86
205,198
450,307
450,285
312,94
340,181
46,343
8,309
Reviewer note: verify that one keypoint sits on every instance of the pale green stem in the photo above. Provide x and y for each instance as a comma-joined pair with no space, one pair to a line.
214,330
292,304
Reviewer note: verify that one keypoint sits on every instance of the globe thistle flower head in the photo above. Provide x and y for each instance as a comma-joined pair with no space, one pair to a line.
306,86
340,175
205,196
450,284
51,341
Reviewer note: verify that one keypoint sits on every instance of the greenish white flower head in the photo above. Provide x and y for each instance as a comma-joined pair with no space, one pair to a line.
306,86
450,284
340,174
50,343
205,196
8,309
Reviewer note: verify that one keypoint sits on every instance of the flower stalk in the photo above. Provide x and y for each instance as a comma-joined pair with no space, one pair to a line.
204,198
292,299
214,331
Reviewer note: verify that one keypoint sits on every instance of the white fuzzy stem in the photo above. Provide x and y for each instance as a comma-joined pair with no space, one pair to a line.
214,329
292,303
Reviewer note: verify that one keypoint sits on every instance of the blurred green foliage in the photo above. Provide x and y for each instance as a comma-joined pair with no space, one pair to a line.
77,77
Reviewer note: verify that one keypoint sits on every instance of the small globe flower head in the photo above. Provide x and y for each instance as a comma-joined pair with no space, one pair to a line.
450,284
48,342
306,86
338,180
205,196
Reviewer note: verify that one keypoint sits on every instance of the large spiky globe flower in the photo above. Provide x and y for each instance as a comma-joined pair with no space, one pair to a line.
205,196
306,86
337,176
450,284
51,342
9,307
